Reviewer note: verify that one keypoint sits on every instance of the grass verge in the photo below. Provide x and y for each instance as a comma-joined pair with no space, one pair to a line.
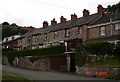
11,77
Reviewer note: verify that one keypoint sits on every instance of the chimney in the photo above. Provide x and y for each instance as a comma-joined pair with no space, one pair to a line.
53,22
62,19
100,9
73,16
45,24
86,13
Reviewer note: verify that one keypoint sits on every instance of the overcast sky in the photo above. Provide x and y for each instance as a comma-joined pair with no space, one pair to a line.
34,12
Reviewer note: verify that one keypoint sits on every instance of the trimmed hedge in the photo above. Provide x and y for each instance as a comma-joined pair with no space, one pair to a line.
37,52
96,48
34,58
51,51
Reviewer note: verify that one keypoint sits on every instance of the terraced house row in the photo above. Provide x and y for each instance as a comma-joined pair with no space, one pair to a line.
98,26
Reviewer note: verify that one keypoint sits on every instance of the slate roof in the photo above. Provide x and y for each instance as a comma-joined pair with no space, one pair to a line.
106,18
110,38
67,24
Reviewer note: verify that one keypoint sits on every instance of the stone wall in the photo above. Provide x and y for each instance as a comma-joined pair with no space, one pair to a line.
98,71
24,62
41,64
5,61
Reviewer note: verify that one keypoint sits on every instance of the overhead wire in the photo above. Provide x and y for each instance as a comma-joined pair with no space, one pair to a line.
53,5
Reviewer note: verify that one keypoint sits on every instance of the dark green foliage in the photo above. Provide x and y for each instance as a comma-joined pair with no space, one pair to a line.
34,58
38,52
117,49
14,25
5,50
5,23
99,47
113,8
51,51
96,48
10,30
80,56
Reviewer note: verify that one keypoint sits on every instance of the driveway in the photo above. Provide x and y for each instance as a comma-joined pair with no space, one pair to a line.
40,75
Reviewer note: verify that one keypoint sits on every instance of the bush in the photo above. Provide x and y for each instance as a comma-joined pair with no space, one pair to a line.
51,51
34,58
96,48
80,56
99,47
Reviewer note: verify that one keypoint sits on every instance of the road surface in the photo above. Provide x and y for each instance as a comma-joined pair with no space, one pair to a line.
40,75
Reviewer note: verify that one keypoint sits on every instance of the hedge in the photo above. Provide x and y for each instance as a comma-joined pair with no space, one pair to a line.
51,51
96,48
34,58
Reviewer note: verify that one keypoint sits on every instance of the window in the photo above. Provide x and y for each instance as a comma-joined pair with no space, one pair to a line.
102,30
6,39
36,38
67,33
20,41
45,37
80,30
28,39
117,26
12,37
55,34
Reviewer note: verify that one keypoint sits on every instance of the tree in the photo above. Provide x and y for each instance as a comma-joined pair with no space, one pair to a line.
10,30
113,8
117,50
5,23
14,25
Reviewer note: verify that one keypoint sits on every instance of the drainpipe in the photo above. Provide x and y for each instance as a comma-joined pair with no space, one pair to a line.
111,26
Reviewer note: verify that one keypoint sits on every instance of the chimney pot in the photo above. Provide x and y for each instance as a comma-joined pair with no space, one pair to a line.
86,13
100,9
45,24
53,22
73,16
62,19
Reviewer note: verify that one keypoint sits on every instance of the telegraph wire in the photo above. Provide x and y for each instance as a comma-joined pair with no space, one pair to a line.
53,5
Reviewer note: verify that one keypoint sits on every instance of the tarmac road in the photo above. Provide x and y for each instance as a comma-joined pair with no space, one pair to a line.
40,75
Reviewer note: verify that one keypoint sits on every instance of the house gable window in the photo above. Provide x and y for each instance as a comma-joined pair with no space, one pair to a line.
67,33
117,26
102,30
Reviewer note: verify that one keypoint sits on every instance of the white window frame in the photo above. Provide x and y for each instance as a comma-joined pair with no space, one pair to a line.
45,37
55,34
102,30
117,26
67,33
80,29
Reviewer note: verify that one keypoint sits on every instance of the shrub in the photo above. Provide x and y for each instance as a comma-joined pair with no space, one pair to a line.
80,56
96,48
53,50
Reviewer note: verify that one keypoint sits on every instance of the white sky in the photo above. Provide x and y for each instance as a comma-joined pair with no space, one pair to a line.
34,12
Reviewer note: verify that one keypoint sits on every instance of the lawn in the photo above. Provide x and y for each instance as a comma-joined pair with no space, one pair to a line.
11,77
113,62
